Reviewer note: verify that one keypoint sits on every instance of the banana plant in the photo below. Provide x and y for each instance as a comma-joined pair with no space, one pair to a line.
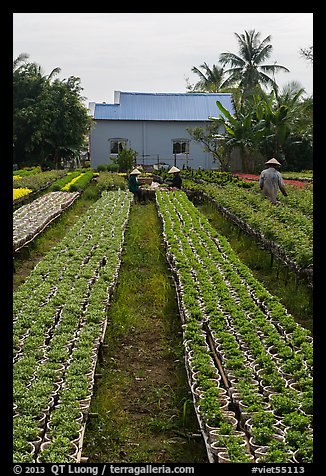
243,131
276,122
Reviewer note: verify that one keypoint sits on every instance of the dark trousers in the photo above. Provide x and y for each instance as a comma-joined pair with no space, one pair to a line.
139,196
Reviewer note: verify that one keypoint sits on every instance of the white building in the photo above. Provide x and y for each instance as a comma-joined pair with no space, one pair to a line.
155,126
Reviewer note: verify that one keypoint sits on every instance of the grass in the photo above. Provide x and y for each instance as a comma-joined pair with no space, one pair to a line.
142,399
277,278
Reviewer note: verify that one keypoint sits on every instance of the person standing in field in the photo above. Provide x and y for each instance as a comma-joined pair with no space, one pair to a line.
270,181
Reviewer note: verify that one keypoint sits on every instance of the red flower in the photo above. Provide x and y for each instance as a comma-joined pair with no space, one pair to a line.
250,177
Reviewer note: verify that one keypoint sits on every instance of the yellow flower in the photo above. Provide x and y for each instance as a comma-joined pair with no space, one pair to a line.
21,192
67,187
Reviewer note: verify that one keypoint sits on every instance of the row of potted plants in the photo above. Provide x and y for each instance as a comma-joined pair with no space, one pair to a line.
37,181
56,339
287,229
30,219
228,314
210,398
297,361
20,192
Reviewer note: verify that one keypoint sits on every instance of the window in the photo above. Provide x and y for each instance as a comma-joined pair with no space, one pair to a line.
180,146
117,145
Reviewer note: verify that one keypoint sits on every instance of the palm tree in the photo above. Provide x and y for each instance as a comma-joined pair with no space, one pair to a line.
247,69
18,62
308,53
21,62
210,81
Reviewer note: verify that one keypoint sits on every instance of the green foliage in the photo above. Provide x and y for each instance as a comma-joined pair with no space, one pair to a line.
125,160
110,181
50,122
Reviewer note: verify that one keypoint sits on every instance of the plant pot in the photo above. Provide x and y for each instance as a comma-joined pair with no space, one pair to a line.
260,455
230,417
208,428
215,434
248,423
245,416
223,457
268,390
77,441
234,394
42,420
224,403
272,351
37,443
296,457
199,392
32,448
217,449
233,380
72,455
254,446
85,403
195,373
49,432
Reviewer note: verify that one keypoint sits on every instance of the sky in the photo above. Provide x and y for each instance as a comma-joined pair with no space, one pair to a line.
154,52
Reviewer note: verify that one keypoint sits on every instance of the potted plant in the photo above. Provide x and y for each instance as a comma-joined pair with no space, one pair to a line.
22,457
306,404
261,436
60,450
69,428
297,421
221,435
33,405
236,452
26,428
285,402
272,382
304,452
210,410
275,452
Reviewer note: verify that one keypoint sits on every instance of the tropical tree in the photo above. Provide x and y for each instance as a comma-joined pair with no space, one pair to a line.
210,80
214,142
298,144
247,69
49,120
307,53
287,120
28,84
125,160
243,131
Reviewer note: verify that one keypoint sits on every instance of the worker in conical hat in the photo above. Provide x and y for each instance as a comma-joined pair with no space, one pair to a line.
173,170
134,185
271,180
177,180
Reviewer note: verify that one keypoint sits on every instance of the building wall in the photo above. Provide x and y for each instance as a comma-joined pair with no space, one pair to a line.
152,138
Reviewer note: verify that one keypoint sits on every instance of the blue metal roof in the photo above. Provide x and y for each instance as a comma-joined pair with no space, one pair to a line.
135,106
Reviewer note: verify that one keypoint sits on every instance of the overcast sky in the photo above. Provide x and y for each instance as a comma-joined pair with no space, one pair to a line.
154,52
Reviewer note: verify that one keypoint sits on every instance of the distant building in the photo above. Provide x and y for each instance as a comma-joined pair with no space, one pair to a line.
155,126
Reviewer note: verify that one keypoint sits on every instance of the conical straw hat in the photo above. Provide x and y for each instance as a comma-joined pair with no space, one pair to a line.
135,172
173,170
273,161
